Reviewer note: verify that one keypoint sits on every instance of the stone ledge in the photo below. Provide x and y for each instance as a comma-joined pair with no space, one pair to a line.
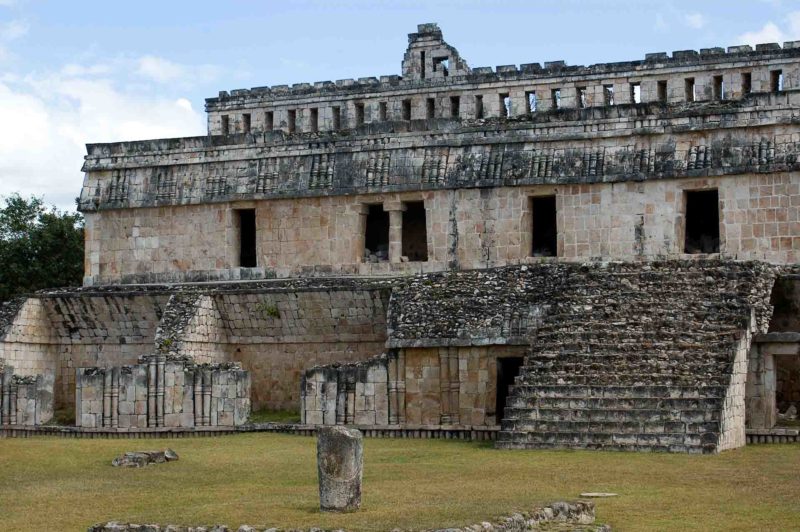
777,337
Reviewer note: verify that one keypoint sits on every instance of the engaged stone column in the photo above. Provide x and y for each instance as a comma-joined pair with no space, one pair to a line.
395,210
340,463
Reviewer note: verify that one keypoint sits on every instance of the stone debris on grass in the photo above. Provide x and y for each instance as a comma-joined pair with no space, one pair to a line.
144,458
578,516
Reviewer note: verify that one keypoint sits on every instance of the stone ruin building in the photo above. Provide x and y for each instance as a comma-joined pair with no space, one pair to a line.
543,255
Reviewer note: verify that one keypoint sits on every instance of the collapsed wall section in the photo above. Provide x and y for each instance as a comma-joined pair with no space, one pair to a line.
162,391
25,400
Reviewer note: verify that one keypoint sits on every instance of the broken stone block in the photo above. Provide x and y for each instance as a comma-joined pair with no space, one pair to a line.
340,464
144,458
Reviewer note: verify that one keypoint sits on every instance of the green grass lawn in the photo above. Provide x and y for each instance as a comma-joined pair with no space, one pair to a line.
270,479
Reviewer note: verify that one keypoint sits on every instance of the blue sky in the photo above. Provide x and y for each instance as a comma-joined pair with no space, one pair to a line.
77,71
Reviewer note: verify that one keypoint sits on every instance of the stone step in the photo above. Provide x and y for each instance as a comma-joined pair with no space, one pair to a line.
705,404
624,379
600,440
604,415
650,366
611,427
618,392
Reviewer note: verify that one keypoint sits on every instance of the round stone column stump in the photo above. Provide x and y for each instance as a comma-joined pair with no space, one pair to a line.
340,464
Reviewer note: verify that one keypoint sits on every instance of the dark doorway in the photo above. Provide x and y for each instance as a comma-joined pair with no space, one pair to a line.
415,232
544,234
702,221
247,238
376,237
507,369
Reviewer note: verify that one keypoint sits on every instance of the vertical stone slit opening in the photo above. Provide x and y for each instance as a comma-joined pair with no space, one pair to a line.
544,232
247,237
415,232
702,221
376,235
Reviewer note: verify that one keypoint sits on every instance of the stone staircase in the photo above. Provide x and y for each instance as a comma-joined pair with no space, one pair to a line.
637,357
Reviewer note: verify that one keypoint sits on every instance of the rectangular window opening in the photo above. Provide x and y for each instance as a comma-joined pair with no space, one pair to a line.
544,233
662,91
582,102
718,91
455,107
555,96
292,119
636,92
225,124
376,236
608,94
441,64
415,232
776,80
246,123
508,369
505,105
336,118
747,83
478,106
530,97
359,113
430,108
314,119
383,111
247,238
269,120
702,221
689,89
406,109
422,65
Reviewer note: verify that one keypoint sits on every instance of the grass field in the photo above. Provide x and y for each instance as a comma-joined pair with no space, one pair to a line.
270,479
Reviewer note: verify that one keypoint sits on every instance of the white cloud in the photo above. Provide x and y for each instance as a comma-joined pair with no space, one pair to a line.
13,29
786,30
10,31
49,119
165,71
695,20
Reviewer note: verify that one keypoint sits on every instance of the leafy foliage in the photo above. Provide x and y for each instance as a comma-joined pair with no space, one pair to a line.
39,247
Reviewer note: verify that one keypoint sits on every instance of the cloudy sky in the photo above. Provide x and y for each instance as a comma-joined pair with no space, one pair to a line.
80,71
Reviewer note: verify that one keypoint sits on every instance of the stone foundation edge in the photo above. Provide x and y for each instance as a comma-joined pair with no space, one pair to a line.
427,433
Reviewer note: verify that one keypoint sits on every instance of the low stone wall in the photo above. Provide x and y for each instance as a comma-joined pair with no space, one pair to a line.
350,394
27,400
162,391
575,516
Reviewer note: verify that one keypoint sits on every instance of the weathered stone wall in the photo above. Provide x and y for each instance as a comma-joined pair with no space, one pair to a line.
54,335
25,400
374,101
454,385
30,344
468,228
733,417
162,391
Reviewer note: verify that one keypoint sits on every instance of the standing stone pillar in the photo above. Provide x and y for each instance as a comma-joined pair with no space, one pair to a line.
395,230
340,465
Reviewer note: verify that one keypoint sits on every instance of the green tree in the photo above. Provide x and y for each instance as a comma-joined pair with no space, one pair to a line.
39,247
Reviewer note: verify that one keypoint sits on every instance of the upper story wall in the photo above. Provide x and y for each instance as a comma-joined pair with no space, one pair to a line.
438,83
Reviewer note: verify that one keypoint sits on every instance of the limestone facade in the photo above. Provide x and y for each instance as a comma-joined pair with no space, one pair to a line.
453,247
